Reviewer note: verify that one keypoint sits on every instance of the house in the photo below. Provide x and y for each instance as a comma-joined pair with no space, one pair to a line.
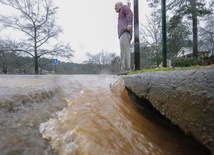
187,52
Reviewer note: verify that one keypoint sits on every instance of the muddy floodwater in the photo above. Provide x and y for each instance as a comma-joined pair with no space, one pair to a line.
82,115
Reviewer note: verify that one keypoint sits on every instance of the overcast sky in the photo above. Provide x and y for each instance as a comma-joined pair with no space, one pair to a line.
91,25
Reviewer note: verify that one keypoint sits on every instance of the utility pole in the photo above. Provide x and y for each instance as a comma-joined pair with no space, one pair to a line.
136,37
164,41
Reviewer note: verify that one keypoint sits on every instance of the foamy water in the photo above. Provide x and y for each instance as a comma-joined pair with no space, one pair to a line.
81,114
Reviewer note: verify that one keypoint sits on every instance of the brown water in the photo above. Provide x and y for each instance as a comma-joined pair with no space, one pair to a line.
82,114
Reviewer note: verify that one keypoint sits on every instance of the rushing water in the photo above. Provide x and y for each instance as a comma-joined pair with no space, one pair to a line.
82,114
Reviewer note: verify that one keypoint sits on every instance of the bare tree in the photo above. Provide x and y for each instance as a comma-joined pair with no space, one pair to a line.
35,19
178,37
151,35
115,64
5,61
206,33
103,60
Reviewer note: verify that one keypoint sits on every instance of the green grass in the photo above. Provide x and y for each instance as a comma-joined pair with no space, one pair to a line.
162,69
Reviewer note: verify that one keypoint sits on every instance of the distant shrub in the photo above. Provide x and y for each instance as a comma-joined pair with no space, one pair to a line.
185,62
210,60
206,61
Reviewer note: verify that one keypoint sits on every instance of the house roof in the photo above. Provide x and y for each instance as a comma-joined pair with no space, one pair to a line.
184,51
188,51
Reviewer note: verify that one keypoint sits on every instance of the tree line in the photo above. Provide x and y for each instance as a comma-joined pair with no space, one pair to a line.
101,63
189,24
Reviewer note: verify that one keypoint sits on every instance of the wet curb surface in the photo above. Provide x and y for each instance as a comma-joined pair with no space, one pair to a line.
186,97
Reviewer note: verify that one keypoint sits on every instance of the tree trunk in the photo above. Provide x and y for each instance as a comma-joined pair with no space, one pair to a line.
4,70
36,65
194,29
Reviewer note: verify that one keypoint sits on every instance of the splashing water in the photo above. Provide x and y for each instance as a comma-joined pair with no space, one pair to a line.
101,119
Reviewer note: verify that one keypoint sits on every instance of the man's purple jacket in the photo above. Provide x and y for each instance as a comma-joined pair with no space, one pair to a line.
125,18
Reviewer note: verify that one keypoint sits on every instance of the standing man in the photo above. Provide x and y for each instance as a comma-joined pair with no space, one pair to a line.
125,18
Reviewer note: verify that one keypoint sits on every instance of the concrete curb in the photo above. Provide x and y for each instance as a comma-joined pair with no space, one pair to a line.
186,97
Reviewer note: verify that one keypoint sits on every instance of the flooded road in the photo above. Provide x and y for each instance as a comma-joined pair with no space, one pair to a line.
82,114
